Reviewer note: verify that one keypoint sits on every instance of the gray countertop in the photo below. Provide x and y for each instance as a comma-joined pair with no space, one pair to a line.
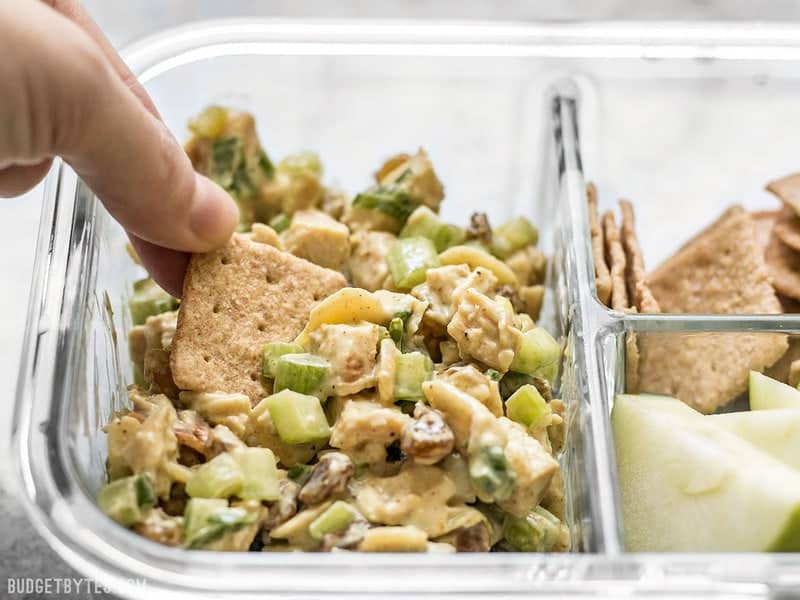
23,554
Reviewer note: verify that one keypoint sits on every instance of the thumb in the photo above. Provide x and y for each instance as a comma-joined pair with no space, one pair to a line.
76,106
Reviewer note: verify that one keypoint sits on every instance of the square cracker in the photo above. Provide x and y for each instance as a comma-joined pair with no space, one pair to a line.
639,294
720,271
235,300
602,277
787,189
615,257
787,228
784,268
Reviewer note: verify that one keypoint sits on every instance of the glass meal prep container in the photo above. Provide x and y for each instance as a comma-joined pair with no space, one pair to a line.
516,117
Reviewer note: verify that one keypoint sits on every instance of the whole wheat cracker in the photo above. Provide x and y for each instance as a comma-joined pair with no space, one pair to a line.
721,270
615,257
784,268
601,274
765,221
787,189
639,294
787,229
235,300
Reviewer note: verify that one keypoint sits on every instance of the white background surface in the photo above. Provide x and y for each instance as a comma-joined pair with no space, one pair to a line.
22,552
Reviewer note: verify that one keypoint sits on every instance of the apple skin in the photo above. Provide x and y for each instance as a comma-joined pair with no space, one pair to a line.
689,485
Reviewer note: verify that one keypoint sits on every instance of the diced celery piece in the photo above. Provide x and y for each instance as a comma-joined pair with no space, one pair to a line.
280,222
260,479
124,499
207,520
512,235
537,354
338,516
491,474
301,162
226,157
537,532
411,371
148,300
526,406
210,123
390,199
423,222
409,259
220,477
272,352
493,374
298,418
303,373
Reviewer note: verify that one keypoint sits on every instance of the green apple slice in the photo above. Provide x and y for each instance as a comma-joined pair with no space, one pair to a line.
769,394
688,485
776,432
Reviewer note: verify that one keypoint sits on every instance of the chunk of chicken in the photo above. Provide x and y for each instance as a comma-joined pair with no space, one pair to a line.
444,288
352,353
318,238
364,429
485,329
368,250
469,379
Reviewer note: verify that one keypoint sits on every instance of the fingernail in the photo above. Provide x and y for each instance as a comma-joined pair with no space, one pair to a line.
214,214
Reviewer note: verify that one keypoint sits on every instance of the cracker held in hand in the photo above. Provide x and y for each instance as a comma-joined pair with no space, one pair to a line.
235,300
721,271
601,275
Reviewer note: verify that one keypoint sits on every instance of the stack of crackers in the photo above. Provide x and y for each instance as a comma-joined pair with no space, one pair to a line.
722,270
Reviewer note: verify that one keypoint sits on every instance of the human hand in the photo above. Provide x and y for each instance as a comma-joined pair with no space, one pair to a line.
65,92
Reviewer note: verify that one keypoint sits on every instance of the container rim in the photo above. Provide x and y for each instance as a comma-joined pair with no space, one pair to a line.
97,552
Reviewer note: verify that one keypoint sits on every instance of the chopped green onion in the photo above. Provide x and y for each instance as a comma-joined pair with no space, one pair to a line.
409,259
301,162
221,477
226,156
280,222
526,406
300,473
270,354
511,382
303,373
266,166
491,474
493,374
397,330
336,518
206,520
514,234
406,407
537,532
423,222
210,123
124,499
297,418
259,474
390,199
537,354
411,371
148,300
